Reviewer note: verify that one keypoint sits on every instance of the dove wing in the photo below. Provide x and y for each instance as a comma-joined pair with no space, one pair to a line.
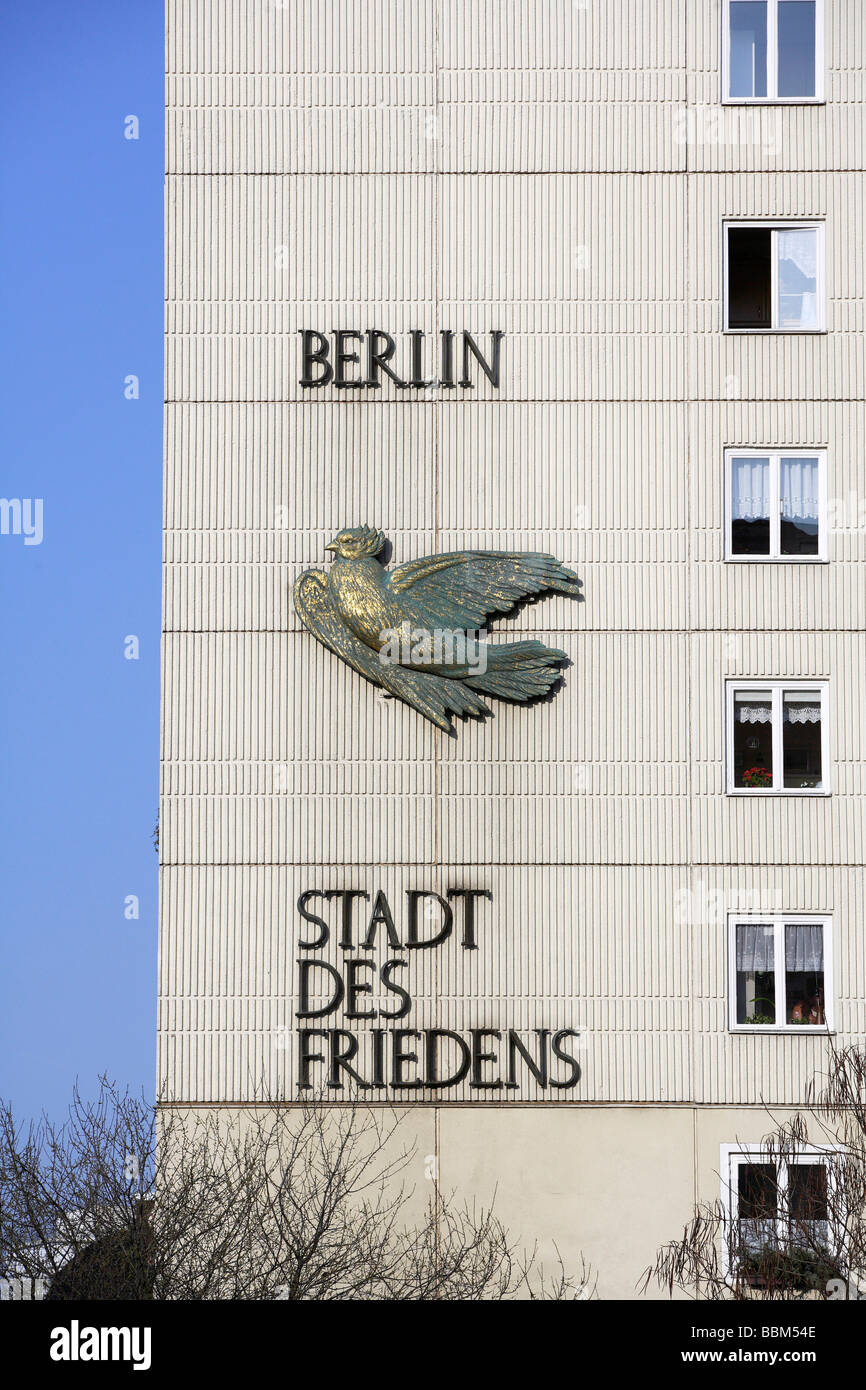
461,589
433,696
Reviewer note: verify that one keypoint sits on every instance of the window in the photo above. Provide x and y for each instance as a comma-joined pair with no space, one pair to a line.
779,972
775,504
781,1218
773,50
777,737
774,277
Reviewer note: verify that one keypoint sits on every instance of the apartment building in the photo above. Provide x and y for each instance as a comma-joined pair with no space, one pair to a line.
588,940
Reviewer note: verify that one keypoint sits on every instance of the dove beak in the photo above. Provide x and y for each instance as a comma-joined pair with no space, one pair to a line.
332,545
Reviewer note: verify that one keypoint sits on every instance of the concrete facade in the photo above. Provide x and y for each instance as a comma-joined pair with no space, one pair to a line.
543,168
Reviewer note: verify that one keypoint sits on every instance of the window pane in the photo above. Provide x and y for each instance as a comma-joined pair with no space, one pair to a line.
808,1209
807,1191
756,1190
749,287
801,738
799,521
796,48
798,278
750,506
756,1205
804,974
756,979
748,48
753,739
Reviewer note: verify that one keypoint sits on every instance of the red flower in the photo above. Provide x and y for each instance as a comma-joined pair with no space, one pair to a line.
757,777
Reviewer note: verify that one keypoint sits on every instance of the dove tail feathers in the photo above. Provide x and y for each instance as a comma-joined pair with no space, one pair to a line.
437,698
519,671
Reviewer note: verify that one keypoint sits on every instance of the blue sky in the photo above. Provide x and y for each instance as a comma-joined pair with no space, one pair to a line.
81,300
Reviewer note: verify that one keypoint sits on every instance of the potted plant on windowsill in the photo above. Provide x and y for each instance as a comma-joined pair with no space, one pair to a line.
757,777
796,1268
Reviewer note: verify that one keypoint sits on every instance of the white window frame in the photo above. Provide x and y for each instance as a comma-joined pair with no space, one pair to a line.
731,1156
773,61
778,921
774,224
776,686
775,455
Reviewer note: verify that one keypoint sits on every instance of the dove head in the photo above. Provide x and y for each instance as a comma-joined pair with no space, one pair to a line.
355,543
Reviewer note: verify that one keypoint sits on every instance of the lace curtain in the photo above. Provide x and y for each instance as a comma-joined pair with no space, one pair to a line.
799,488
804,948
754,947
750,499
762,714
798,485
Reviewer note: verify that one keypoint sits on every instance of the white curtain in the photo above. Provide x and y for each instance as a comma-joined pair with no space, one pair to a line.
754,947
804,949
795,712
798,282
753,714
799,488
801,709
803,714
799,310
750,489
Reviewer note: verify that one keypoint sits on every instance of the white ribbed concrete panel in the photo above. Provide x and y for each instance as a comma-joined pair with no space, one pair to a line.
587,316
459,88
650,1001
628,753
262,490
236,307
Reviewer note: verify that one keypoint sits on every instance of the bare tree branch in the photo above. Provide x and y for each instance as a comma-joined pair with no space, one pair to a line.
800,1229
302,1202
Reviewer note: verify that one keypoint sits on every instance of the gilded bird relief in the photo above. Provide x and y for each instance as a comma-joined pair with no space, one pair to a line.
417,630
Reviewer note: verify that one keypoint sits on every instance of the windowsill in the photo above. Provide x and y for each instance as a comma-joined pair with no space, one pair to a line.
774,101
764,792
788,1029
769,332
777,560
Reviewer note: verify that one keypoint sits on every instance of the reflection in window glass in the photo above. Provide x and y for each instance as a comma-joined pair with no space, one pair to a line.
753,739
756,977
808,1210
757,1205
801,739
750,506
748,51
796,21
804,974
756,1189
780,1207
799,506
798,278
807,1196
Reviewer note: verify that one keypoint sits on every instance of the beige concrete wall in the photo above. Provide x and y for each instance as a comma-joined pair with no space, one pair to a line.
609,1185
602,1187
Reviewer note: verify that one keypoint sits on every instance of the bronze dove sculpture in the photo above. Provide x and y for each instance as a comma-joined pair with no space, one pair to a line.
414,630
